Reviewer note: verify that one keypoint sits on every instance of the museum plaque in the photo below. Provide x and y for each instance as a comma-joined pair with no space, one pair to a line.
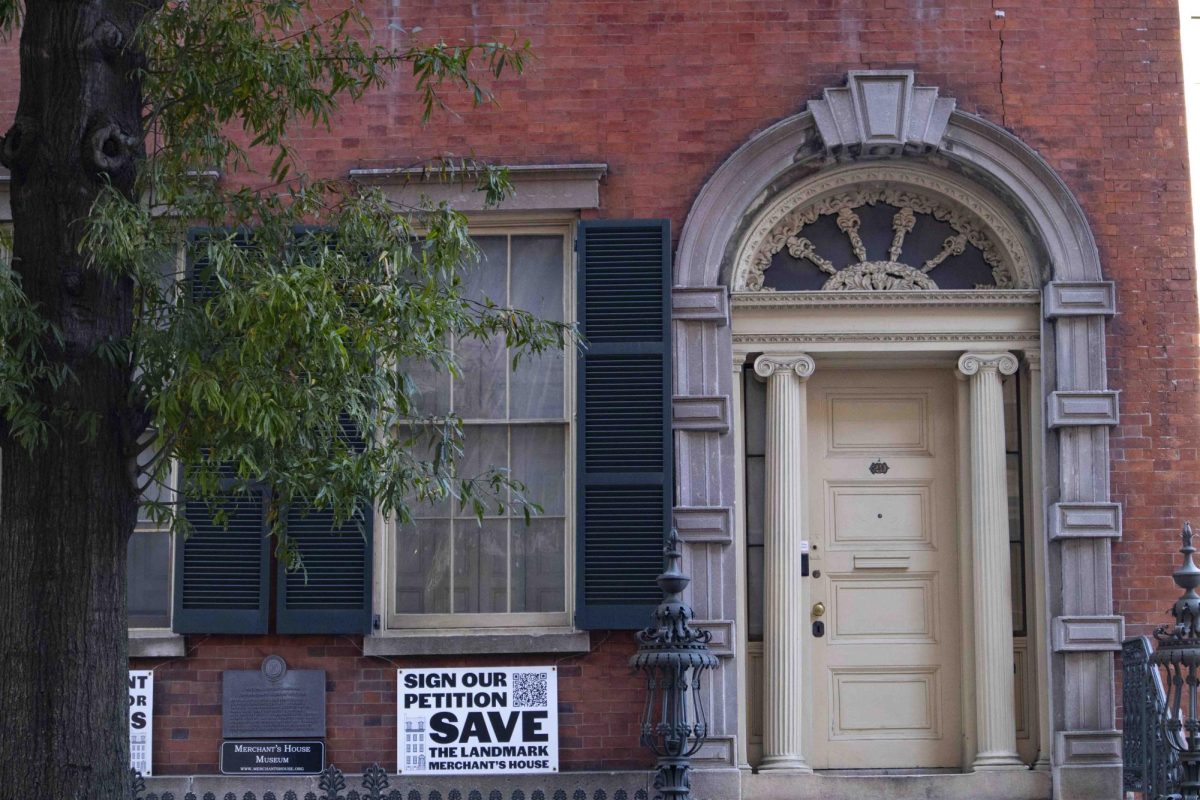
272,758
273,702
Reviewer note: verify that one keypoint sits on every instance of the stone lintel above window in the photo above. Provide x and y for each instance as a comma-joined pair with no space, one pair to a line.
539,187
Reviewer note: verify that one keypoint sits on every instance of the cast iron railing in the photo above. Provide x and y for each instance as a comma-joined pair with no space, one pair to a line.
375,785
1151,765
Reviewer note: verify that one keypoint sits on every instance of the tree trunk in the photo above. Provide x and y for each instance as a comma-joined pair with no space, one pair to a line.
67,509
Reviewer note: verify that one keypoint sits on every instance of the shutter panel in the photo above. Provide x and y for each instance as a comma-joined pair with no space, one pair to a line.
222,584
332,593
625,480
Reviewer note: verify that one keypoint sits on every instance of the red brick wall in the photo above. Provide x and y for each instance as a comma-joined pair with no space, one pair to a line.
664,92
599,699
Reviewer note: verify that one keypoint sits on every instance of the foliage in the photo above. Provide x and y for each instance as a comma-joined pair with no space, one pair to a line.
261,343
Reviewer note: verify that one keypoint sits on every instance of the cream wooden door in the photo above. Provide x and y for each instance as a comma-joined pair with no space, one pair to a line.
886,674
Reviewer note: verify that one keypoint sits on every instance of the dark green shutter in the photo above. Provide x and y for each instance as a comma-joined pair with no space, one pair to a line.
625,483
332,592
222,584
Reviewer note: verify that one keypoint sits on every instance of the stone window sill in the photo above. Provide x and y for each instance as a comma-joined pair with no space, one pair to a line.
155,644
467,642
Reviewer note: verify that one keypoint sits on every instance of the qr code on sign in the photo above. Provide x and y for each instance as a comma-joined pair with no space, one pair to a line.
529,690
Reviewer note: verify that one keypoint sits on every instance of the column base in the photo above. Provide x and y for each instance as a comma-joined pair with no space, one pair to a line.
988,762
1042,764
777,764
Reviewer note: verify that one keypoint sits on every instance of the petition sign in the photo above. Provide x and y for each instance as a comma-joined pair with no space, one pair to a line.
477,720
141,719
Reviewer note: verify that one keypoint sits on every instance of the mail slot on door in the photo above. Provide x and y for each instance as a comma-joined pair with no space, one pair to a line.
804,558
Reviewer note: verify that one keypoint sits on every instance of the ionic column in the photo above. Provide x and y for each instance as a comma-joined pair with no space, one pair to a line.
784,614
996,745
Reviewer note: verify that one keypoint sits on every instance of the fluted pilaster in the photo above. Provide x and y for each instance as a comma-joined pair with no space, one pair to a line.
1040,639
784,617
996,747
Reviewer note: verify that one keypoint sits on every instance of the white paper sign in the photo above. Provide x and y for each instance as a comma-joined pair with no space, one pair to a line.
141,719
477,720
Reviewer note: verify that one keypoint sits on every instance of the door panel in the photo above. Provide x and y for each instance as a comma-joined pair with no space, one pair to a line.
886,674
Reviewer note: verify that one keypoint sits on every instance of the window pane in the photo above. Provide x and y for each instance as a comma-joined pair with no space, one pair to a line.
1011,426
432,387
756,415
484,447
480,392
537,387
537,275
156,491
486,278
149,585
537,287
481,566
754,593
756,498
423,568
538,462
1016,553
538,565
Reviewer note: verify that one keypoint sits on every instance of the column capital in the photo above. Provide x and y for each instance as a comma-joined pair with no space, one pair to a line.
768,364
973,363
1033,358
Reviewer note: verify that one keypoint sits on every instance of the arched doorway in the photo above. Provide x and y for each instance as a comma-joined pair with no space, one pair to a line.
880,284
1033,303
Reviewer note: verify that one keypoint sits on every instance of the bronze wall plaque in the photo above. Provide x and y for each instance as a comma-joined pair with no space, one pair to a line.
273,701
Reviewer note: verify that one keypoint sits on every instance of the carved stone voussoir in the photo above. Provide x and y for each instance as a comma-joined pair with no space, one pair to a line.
881,113
767,365
972,363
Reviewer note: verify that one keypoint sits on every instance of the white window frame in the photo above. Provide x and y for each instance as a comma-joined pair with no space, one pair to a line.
389,625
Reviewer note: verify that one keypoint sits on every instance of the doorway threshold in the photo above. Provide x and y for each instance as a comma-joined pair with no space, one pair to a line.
892,784
872,773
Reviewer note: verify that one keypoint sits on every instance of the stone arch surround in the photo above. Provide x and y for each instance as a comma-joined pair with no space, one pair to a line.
1081,521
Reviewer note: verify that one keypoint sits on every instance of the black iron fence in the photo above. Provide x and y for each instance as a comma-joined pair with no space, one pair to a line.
1151,764
376,786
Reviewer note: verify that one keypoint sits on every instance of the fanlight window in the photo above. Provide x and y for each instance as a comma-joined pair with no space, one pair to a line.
881,238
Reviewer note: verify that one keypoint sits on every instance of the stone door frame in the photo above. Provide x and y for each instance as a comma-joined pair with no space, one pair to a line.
883,115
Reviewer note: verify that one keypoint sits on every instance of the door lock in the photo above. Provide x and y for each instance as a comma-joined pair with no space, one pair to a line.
818,609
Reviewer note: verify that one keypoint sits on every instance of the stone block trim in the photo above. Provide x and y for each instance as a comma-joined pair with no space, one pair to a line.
704,523
1088,634
1085,521
700,413
1079,299
722,630
1089,747
700,304
1067,408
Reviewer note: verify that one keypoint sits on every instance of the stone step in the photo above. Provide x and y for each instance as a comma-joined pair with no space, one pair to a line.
1014,784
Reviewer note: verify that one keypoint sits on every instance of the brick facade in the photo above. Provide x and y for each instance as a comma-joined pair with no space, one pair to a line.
663,92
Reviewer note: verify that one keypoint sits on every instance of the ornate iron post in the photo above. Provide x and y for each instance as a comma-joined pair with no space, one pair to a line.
1178,654
674,656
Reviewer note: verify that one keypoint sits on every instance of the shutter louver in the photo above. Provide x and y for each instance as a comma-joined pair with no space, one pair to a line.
222,585
331,593
625,483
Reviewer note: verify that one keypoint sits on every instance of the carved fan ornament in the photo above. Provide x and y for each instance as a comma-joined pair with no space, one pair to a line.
888,271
